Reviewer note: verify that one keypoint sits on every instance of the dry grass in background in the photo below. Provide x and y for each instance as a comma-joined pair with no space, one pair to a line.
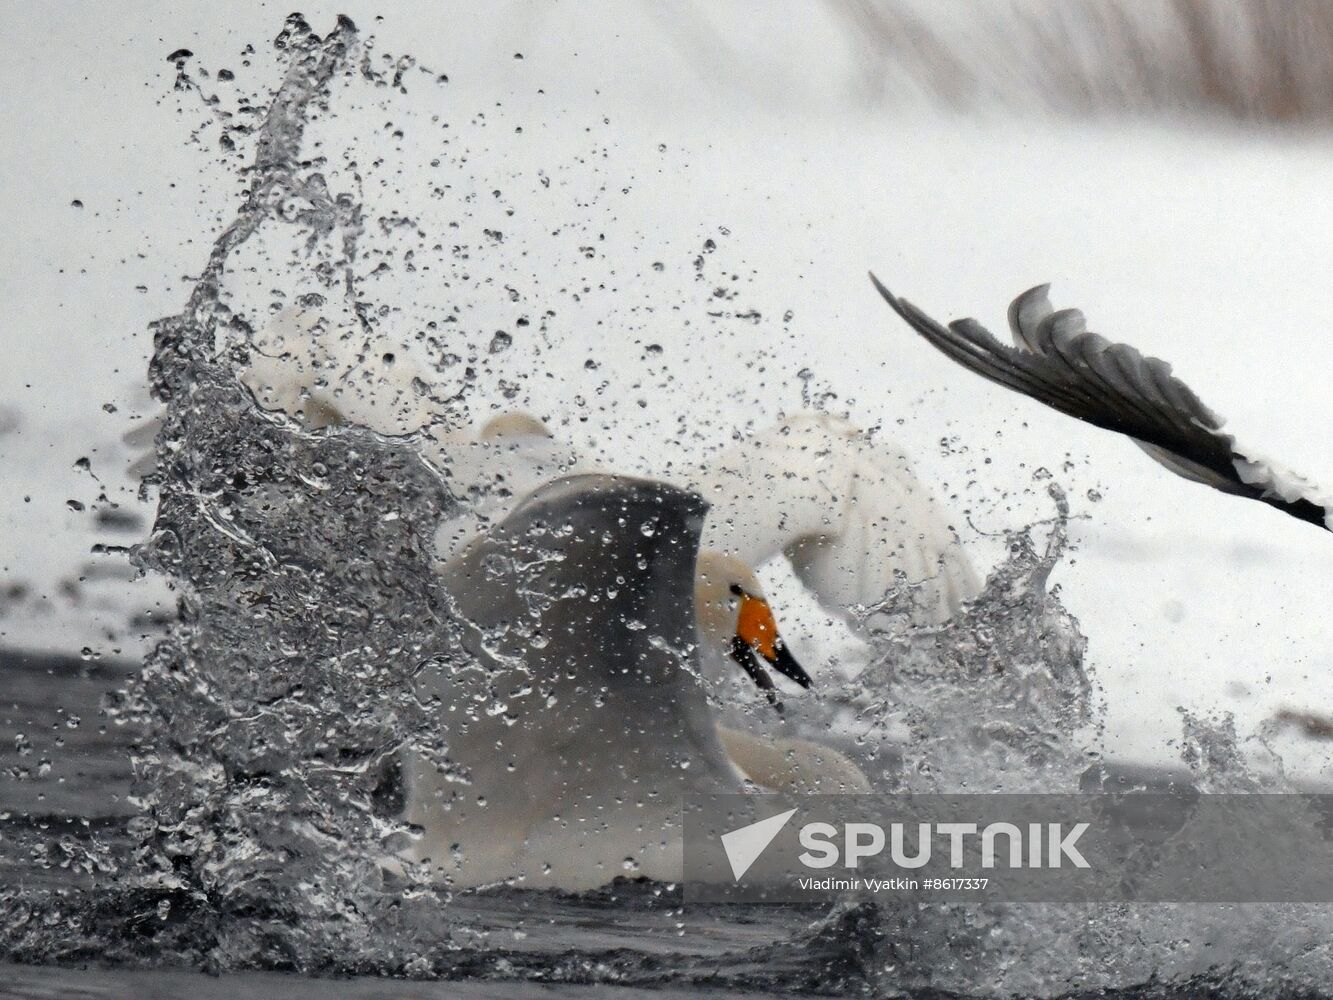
1254,60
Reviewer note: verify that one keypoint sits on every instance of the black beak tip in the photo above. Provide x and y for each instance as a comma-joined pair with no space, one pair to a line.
784,663
787,665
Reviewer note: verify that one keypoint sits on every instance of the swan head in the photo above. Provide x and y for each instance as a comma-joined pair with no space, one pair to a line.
736,622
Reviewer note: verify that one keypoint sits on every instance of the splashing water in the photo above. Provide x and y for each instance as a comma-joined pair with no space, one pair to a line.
999,694
308,604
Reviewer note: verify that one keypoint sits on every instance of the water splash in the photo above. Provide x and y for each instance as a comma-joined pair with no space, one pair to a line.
302,559
306,604
998,699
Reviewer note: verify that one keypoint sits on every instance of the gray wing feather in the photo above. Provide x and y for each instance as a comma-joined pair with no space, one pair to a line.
1057,361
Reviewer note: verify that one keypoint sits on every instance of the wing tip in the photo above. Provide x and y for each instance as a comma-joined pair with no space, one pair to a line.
884,292
909,313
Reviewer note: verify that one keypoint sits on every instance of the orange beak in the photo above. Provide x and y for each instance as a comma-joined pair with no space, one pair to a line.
757,626
757,635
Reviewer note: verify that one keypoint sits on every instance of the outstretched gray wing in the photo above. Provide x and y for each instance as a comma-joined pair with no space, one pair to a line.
580,717
1058,361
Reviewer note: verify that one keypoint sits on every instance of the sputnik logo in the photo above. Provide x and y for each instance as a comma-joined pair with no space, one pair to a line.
744,846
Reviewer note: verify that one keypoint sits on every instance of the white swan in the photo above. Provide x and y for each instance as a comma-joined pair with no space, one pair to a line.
582,717
1057,361
582,714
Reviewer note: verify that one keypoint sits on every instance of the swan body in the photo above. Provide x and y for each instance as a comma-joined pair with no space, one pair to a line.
847,513
581,718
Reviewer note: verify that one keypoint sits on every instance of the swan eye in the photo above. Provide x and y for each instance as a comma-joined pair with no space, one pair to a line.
735,588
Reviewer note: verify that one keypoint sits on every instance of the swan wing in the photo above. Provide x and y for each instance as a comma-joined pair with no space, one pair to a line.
847,511
583,691
1057,361
327,376
320,374
304,365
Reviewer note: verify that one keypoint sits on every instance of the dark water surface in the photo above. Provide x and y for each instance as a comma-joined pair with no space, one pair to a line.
63,758
31,983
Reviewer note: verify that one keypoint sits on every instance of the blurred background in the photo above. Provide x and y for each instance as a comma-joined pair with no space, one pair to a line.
1166,164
